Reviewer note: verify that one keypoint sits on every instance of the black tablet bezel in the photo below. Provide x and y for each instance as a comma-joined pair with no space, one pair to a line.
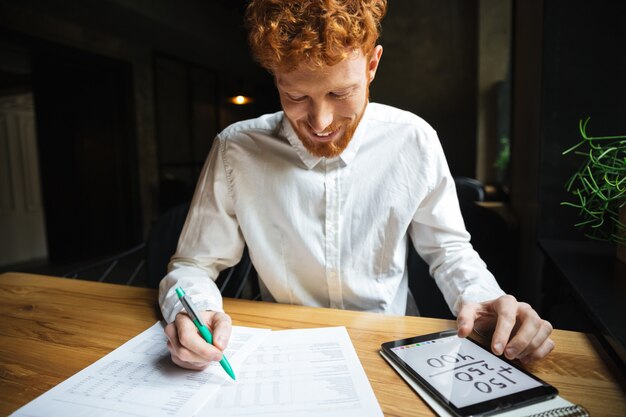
507,402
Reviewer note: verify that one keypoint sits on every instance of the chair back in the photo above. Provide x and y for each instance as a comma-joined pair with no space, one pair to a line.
469,189
162,242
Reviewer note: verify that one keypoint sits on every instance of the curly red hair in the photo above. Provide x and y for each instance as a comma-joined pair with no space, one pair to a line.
284,33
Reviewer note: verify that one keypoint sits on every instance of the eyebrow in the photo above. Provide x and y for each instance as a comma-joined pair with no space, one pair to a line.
295,91
348,87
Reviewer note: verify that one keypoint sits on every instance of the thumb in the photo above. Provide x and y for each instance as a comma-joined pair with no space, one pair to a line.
221,325
465,319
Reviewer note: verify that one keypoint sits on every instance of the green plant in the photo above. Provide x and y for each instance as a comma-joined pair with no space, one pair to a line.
502,161
599,186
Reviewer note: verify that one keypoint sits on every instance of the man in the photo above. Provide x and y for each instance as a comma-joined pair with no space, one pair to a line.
326,193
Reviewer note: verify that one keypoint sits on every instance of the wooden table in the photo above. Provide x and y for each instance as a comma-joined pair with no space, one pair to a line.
50,328
589,271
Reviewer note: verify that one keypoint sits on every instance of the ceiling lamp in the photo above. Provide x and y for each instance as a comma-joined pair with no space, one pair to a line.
240,100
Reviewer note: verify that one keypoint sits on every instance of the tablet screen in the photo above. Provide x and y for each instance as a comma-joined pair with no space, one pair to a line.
462,372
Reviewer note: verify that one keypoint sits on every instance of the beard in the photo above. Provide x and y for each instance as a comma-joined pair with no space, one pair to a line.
336,147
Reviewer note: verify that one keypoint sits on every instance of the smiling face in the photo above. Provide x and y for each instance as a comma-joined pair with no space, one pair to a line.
325,105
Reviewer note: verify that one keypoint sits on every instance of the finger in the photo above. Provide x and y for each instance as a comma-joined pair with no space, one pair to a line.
465,319
506,311
222,327
193,348
539,353
529,325
170,332
189,365
172,339
543,333
174,347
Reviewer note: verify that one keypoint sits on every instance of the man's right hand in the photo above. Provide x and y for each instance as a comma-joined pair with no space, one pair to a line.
189,350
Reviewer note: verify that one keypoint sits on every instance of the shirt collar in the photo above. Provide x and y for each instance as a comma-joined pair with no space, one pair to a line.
310,161
287,130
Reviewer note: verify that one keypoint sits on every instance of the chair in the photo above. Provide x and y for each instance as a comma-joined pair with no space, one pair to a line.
126,267
162,241
469,189
146,263
428,297
493,237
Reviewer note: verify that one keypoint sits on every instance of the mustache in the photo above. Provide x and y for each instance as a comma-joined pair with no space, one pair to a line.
329,129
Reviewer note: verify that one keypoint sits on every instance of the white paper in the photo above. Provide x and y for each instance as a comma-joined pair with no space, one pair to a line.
139,379
304,372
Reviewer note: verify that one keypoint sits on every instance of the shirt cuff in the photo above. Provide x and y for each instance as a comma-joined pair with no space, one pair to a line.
476,294
197,285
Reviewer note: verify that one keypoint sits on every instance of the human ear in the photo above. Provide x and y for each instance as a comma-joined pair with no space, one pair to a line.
372,65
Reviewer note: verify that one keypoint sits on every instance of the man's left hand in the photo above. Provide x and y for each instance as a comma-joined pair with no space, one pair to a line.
518,331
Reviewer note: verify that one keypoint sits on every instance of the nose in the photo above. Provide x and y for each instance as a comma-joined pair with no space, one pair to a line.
320,117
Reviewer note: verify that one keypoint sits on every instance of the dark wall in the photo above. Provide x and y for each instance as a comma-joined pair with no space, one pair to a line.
87,152
568,64
429,67
584,75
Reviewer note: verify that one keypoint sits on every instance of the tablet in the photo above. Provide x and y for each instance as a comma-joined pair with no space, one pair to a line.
465,377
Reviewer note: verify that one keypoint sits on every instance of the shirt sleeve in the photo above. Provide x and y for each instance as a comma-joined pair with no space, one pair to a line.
440,237
210,241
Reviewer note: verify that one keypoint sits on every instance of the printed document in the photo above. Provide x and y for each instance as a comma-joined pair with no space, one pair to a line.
304,372
140,379
287,372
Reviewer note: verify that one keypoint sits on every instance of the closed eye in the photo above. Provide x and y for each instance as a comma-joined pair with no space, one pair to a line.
341,95
296,99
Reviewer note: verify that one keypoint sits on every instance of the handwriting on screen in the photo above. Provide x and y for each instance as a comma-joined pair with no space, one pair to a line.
463,372
479,373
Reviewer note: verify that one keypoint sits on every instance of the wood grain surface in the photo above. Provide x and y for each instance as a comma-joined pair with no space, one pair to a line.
50,328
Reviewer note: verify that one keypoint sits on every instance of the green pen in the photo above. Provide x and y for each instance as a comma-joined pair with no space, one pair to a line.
204,331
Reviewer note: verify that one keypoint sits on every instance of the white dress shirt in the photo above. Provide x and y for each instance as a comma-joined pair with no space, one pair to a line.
327,232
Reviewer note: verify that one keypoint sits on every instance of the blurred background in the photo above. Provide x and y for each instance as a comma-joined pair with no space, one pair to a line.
108,109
